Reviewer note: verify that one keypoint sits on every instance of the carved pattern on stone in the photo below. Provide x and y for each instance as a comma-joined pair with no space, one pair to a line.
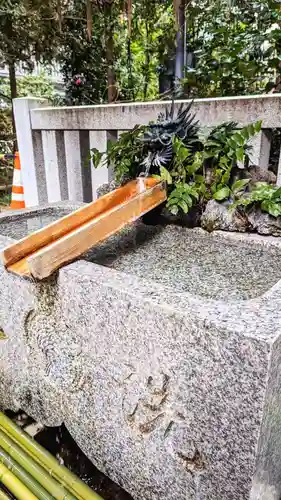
144,402
29,317
179,443
148,407
59,360
3,335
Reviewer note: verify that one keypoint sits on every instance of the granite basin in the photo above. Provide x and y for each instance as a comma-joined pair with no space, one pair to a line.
223,266
160,351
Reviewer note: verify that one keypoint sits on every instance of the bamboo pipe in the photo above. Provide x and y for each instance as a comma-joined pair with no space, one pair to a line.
36,471
19,490
24,477
46,460
3,496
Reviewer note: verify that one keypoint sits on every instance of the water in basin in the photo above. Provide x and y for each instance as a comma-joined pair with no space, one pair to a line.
213,266
19,226
210,265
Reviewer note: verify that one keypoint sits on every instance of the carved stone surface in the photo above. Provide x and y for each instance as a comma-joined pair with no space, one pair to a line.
264,223
218,216
106,188
161,354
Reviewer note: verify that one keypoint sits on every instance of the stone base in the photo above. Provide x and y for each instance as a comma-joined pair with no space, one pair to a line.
160,351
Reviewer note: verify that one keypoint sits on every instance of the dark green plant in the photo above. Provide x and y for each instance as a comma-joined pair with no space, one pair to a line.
230,141
185,186
124,155
195,167
183,197
227,154
233,192
264,196
215,170
146,148
235,47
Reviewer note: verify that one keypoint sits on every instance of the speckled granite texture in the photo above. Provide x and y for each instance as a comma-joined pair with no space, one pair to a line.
160,350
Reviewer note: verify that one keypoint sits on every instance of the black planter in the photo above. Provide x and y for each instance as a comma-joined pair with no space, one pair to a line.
161,216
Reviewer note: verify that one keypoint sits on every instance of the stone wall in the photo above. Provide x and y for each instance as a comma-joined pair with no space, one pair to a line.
54,143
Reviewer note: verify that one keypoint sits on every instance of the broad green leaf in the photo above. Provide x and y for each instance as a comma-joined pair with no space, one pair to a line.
96,157
232,143
272,208
238,137
222,194
240,184
226,176
174,194
174,199
174,210
258,125
110,144
183,205
195,194
183,153
259,185
240,154
277,193
264,205
252,129
224,161
209,154
187,199
165,175
210,143
245,133
196,165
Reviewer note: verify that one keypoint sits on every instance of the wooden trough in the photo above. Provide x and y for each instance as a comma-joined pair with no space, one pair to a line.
44,251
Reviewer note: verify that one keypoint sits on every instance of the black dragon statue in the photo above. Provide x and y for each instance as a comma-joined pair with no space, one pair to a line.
158,138
157,143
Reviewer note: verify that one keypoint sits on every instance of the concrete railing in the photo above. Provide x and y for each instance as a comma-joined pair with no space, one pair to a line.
54,143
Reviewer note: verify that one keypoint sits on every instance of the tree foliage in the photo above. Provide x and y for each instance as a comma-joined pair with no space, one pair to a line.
27,33
232,48
235,47
29,86
82,58
125,49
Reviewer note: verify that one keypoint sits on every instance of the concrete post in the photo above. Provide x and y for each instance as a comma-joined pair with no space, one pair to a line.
261,143
73,165
22,107
100,175
51,165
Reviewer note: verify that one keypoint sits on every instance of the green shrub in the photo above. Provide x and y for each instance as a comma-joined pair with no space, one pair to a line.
197,165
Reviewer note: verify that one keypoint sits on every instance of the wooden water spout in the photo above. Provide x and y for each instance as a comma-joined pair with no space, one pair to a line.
44,251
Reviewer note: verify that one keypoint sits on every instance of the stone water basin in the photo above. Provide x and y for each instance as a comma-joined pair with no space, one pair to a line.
160,351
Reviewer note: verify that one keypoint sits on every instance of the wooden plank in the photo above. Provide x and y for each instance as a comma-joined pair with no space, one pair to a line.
45,261
46,249
59,228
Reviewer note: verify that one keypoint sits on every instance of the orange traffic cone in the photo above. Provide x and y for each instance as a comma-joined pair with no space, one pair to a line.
17,189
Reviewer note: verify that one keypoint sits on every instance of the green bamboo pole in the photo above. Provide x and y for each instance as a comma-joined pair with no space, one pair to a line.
3,496
19,490
24,477
46,460
34,469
